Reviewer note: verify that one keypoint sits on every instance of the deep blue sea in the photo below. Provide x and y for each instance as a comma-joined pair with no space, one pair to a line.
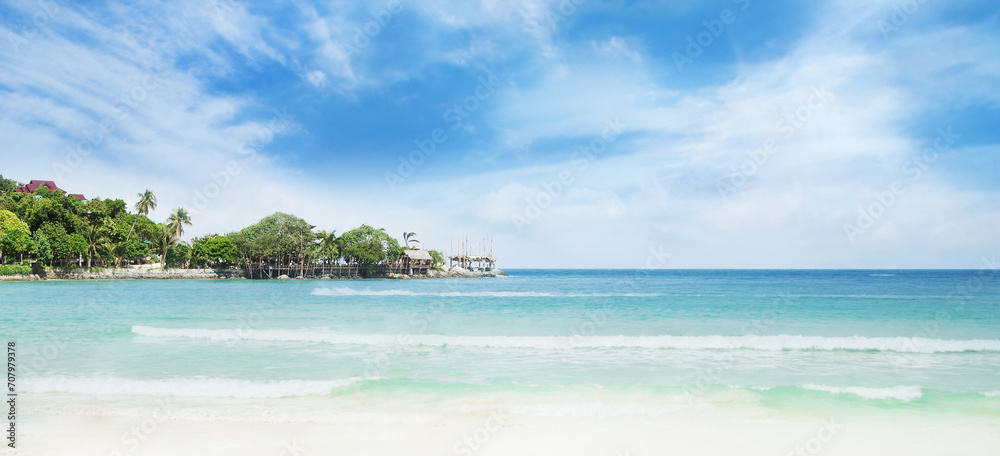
786,340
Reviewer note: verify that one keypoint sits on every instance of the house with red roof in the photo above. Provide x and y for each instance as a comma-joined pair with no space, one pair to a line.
34,185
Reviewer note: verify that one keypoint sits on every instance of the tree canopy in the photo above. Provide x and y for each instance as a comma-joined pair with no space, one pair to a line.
14,234
367,245
53,228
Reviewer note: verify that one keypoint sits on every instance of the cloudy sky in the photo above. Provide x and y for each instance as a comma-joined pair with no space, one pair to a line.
586,133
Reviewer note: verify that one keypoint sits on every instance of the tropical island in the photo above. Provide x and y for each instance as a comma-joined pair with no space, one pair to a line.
47,233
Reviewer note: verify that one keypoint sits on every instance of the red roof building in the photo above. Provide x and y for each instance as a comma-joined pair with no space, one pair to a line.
36,184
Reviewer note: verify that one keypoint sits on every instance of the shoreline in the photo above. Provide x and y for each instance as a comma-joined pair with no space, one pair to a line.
477,425
226,274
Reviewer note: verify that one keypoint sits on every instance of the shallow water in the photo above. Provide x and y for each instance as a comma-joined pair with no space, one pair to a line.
541,342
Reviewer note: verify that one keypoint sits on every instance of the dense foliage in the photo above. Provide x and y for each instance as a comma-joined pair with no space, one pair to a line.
49,228
14,269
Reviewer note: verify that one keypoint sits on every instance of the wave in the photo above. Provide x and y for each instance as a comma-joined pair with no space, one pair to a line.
764,343
992,394
901,393
347,291
197,387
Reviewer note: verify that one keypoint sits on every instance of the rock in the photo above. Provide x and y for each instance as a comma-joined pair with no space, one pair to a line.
459,271
283,276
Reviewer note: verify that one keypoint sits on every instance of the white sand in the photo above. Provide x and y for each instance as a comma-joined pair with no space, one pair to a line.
71,425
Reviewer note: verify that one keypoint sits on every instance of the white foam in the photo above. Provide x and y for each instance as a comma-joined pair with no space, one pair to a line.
589,410
992,394
755,388
903,392
347,291
765,343
198,387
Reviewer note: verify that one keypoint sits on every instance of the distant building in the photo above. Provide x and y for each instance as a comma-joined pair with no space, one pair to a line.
474,262
417,260
36,184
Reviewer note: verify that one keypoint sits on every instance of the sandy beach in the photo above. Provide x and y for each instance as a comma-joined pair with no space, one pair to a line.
64,425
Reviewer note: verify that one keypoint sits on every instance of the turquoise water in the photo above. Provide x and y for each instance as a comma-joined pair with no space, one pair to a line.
790,340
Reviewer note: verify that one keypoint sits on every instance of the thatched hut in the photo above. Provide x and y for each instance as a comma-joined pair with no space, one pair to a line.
417,261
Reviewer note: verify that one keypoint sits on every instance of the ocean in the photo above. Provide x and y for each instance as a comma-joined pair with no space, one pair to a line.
635,346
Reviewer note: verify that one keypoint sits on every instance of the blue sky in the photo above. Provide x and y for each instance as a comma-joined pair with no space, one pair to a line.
627,134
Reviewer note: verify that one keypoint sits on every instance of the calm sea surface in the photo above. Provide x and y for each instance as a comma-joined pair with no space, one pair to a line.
785,340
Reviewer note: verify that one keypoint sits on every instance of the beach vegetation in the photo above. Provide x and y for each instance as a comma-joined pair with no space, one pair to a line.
50,228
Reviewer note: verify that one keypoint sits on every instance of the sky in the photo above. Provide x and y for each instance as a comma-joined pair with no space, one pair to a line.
572,133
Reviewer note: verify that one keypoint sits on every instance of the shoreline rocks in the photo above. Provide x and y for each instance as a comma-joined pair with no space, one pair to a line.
145,273
20,278
458,271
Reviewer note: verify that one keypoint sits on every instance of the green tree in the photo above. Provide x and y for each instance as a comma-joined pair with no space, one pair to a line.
58,239
146,203
115,207
368,247
178,256
8,186
47,210
438,259
408,238
214,251
76,245
177,220
41,249
277,240
131,249
14,234
329,249
163,239
96,240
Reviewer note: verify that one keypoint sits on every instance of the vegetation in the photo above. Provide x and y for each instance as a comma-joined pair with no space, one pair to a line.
14,269
408,238
49,228
15,236
438,259
52,229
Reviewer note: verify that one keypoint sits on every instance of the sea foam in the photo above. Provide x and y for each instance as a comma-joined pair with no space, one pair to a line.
196,387
764,343
902,393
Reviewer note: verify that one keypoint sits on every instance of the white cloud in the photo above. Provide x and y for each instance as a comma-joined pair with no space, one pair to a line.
657,186
616,46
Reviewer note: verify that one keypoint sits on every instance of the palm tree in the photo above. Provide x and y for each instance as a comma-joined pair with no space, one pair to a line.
177,220
329,245
408,238
146,203
164,239
97,239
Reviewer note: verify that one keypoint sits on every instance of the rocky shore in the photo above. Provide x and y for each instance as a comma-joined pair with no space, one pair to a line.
455,271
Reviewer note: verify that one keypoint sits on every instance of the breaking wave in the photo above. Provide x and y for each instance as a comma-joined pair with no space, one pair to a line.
765,343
